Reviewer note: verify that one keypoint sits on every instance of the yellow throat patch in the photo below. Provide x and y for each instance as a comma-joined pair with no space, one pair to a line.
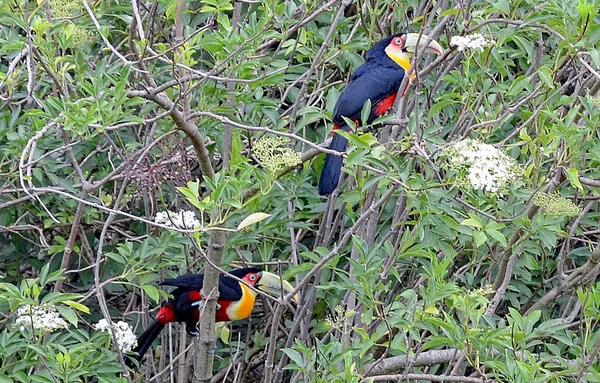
402,59
242,308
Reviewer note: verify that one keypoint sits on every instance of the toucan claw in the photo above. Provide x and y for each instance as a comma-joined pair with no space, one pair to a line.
192,330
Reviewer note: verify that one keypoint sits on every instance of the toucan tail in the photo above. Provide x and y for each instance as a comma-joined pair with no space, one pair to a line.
330,176
145,342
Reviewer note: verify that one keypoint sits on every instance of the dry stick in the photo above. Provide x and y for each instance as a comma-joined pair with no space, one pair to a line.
510,110
64,264
210,293
216,244
560,262
228,129
425,358
138,19
589,181
303,315
572,282
28,152
316,61
98,280
53,151
12,66
514,22
539,109
296,27
177,55
267,377
104,39
429,377
79,212
588,361
171,363
16,229
183,94
219,68
30,64
43,190
226,120
499,295
351,301
191,132
508,252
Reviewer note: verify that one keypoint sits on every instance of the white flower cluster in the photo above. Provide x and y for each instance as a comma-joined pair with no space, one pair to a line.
126,340
185,219
474,41
44,318
488,169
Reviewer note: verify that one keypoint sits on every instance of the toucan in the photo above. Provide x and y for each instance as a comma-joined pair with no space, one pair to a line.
236,301
378,80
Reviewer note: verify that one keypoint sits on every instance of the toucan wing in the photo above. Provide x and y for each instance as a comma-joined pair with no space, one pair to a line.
187,281
371,81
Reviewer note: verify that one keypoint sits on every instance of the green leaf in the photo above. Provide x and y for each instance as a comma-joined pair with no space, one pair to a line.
518,85
498,236
472,222
595,56
546,76
573,177
44,273
152,292
294,356
449,12
77,306
365,112
503,6
479,237
251,219
224,334
68,314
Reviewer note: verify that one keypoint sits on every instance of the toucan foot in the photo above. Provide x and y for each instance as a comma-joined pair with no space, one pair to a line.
200,305
191,329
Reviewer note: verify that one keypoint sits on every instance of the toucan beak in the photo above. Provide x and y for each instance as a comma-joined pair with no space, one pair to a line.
416,40
272,284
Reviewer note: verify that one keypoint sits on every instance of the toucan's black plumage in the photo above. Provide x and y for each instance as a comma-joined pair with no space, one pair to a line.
234,303
378,80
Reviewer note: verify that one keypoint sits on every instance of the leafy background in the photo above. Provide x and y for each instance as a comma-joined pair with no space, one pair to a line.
110,108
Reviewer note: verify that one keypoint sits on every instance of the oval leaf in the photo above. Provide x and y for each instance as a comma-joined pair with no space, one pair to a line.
573,177
77,306
68,314
225,334
152,292
252,218
294,356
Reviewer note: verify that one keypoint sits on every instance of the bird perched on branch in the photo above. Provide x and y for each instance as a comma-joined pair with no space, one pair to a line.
236,301
377,80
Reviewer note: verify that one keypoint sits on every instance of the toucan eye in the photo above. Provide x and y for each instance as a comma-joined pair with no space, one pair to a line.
398,41
252,277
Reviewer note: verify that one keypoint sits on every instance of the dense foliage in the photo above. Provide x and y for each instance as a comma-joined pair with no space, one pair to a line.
113,112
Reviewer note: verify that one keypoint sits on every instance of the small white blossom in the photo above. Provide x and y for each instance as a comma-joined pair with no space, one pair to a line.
488,169
474,41
185,219
126,340
44,318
